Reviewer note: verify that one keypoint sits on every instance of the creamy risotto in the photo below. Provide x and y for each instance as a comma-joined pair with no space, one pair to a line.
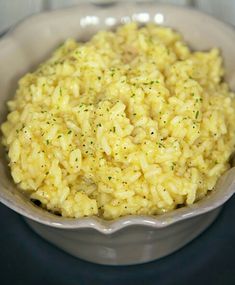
130,122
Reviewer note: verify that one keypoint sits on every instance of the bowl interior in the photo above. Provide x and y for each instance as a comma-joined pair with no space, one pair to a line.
33,40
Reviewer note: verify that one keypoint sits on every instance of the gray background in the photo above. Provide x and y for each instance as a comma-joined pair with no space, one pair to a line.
11,11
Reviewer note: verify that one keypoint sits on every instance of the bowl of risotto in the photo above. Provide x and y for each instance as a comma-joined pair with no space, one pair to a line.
118,127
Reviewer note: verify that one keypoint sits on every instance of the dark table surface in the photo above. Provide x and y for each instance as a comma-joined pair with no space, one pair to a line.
25,258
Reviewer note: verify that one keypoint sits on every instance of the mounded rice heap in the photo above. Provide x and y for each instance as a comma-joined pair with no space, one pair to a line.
131,122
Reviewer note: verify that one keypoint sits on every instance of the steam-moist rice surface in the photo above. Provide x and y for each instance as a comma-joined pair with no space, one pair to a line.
130,122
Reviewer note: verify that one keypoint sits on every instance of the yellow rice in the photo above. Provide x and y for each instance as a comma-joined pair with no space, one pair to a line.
130,122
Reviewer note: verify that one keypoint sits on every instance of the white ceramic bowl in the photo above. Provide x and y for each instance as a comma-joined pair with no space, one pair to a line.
132,239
